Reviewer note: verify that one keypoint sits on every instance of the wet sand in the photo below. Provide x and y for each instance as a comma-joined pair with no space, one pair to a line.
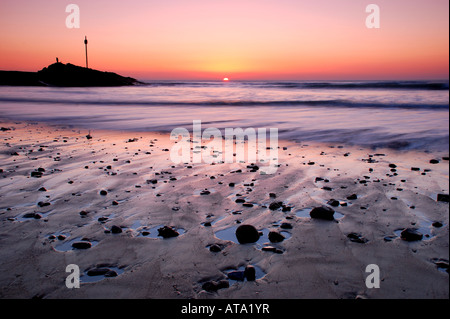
114,190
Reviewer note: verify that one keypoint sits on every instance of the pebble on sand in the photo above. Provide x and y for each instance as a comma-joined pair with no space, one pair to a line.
247,234
167,232
411,234
81,245
276,237
324,213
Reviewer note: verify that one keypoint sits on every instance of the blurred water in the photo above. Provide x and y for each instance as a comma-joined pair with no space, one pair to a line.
401,115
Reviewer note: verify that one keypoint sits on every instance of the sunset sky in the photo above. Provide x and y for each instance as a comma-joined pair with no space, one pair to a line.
239,39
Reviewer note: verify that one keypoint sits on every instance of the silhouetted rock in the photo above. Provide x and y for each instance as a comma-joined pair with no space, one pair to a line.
247,234
65,75
250,273
333,202
275,205
443,198
276,237
81,245
167,232
324,213
116,229
411,234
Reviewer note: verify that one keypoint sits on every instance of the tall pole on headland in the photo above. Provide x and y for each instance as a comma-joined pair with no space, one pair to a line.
85,44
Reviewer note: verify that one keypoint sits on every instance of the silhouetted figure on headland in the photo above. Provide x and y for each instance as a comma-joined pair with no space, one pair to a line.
57,60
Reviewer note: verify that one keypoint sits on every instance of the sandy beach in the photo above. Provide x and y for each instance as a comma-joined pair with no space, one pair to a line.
113,190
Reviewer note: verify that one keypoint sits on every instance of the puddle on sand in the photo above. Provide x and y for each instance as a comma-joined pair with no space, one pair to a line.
153,232
229,234
67,245
259,274
423,226
85,278
304,213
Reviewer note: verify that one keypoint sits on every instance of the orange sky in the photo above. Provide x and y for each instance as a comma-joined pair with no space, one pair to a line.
239,39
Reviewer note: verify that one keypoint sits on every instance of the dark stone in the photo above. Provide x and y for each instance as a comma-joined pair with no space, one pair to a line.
61,237
32,215
437,224
231,184
443,198
326,188
42,189
434,161
247,234
116,229
205,192
416,169
98,272
236,275
153,181
357,238
103,193
215,248
392,166
324,213
36,174
42,204
115,203
253,167
411,234
286,226
273,195
275,205
240,201
167,232
250,273
352,197
333,202
81,245
276,237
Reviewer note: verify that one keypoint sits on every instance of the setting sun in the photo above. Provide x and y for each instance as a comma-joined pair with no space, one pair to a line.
226,79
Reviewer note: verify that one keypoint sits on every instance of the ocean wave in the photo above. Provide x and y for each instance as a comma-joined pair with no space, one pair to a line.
399,85
391,85
229,103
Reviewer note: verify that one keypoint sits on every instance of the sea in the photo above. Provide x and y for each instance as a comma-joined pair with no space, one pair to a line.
396,114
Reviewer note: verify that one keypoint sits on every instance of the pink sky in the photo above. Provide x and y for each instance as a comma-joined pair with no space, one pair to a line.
239,39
